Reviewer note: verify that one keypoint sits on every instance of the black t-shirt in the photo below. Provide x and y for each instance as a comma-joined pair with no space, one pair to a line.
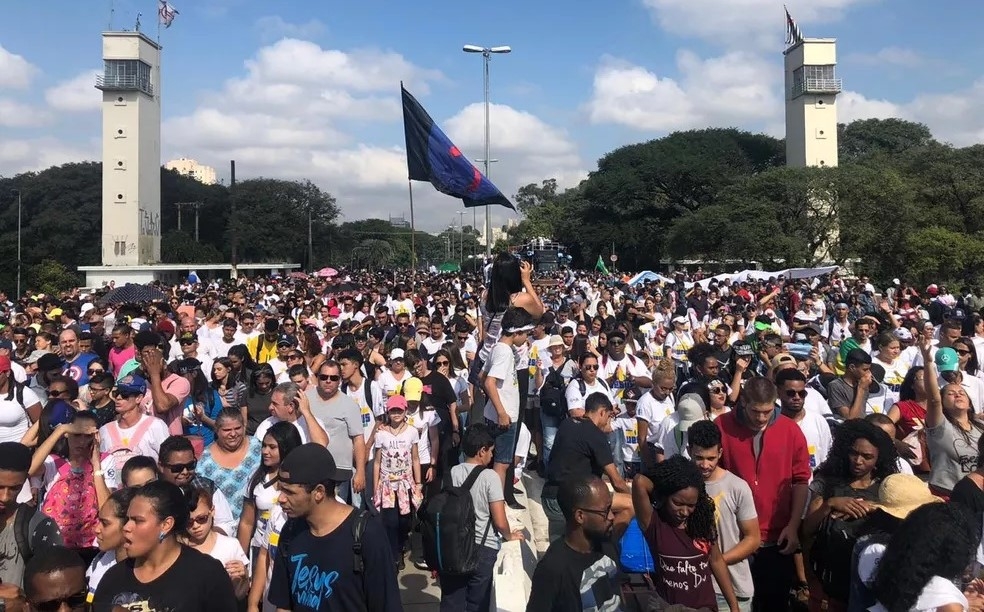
566,580
195,582
317,574
580,449
442,396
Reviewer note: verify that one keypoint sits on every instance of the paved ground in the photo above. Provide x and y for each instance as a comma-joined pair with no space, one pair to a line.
418,592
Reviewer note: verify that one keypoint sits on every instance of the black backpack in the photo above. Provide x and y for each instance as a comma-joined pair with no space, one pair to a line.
295,526
447,528
830,555
553,394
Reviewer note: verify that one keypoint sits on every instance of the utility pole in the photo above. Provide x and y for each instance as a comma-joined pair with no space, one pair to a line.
196,206
234,273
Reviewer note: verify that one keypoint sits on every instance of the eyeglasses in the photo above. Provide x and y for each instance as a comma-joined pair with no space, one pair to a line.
331,377
177,468
616,342
74,602
443,362
590,366
794,393
91,388
601,513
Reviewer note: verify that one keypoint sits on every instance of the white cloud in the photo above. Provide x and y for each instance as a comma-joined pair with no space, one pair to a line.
76,95
852,106
14,114
273,27
734,89
38,153
15,71
889,56
300,111
744,23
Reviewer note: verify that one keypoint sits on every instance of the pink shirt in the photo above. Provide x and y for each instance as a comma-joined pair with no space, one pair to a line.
117,357
179,387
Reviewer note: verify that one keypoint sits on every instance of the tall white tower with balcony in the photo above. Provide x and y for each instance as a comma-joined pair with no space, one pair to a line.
131,155
811,102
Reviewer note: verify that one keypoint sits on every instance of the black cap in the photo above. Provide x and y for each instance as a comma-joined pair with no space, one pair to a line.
50,362
186,366
311,464
285,340
632,394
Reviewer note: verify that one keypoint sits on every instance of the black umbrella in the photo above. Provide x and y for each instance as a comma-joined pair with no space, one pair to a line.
341,288
132,293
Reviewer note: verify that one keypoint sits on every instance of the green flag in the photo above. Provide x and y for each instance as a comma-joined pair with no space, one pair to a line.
600,266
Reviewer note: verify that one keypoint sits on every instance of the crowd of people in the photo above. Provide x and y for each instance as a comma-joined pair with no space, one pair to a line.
292,443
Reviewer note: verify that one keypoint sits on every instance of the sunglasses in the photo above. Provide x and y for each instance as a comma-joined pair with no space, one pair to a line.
616,342
403,325
331,377
177,468
200,520
57,393
74,602
96,371
963,352
186,342
443,362
118,395
716,389
793,393
590,367
463,338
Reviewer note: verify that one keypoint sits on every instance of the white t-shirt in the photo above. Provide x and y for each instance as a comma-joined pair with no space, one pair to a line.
388,382
818,439
14,421
422,421
670,439
97,569
265,497
622,371
629,427
227,548
575,399
301,424
501,365
148,445
653,411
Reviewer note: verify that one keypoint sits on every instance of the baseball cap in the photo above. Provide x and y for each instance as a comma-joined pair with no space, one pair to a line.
188,337
396,353
396,402
187,366
932,290
311,464
903,334
61,412
555,341
285,340
4,363
690,409
632,394
413,388
49,362
6,344
682,320
131,384
946,360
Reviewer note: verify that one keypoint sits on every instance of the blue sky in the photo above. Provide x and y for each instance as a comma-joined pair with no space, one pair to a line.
311,90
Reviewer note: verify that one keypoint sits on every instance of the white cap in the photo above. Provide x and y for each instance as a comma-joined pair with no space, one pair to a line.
396,353
86,307
269,288
680,319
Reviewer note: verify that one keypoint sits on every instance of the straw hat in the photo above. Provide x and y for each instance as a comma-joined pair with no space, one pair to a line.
900,494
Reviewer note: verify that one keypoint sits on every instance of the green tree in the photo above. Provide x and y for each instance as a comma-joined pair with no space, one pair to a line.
869,137
180,247
373,254
51,276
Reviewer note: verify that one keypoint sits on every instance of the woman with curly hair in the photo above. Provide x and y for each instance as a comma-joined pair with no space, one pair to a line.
930,549
843,492
677,517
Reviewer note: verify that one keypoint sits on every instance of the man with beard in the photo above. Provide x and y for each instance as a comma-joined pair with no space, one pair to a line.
575,572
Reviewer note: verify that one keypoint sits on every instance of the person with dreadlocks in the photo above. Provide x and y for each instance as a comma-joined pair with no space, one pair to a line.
677,517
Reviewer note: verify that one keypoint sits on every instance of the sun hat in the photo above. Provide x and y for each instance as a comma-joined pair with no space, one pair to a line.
690,409
900,494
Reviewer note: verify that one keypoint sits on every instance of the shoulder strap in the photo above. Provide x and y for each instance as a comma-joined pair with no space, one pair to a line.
22,535
582,386
358,528
259,348
115,437
467,485
367,391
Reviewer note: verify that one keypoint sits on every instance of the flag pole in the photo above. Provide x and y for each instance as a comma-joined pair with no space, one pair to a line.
413,230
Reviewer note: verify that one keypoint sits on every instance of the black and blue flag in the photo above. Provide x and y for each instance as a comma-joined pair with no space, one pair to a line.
432,157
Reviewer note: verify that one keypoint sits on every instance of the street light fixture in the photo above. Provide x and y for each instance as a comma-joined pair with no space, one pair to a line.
17,191
486,58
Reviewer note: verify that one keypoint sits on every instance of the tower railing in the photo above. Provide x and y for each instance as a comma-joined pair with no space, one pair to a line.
113,82
816,85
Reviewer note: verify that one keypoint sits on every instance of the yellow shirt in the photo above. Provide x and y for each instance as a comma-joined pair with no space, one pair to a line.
268,350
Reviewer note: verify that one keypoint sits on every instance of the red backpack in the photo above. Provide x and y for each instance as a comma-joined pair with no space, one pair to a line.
72,503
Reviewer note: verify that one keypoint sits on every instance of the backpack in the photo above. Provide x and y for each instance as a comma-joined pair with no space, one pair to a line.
830,555
583,386
72,503
295,526
28,525
447,528
16,389
121,449
366,390
553,393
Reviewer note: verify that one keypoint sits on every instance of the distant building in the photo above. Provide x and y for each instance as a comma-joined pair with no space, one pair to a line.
191,168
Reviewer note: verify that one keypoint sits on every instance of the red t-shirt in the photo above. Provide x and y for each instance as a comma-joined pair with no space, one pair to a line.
683,568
